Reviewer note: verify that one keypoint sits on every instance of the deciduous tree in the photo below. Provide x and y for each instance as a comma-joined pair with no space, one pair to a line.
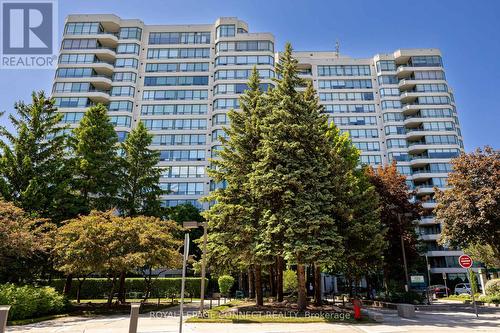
470,209
24,241
398,216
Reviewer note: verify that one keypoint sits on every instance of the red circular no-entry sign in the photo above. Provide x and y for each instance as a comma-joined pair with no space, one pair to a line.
465,261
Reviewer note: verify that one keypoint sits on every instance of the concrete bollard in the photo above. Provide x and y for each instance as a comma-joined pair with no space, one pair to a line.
406,310
4,313
134,317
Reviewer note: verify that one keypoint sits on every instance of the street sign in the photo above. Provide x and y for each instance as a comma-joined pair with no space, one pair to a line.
465,261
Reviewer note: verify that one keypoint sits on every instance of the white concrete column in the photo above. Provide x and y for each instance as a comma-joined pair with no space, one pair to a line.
134,317
4,313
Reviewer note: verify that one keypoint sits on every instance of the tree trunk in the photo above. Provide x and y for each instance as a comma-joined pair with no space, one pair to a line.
67,284
251,283
112,291
302,293
272,282
279,278
79,289
121,288
317,285
259,298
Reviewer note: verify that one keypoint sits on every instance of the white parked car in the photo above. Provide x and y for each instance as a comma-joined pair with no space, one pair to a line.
462,288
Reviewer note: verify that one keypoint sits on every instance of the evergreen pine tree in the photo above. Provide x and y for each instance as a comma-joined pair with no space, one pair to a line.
291,177
234,235
140,191
33,169
97,165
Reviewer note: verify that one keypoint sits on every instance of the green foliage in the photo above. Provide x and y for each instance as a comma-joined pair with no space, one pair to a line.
490,298
98,288
96,161
140,191
226,282
398,218
108,244
483,253
469,209
410,297
289,281
234,240
33,169
30,302
492,287
473,281
23,241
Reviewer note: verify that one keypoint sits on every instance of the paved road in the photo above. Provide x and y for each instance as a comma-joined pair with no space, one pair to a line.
443,322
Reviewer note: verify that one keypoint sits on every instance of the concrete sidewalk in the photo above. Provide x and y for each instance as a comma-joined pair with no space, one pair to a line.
456,322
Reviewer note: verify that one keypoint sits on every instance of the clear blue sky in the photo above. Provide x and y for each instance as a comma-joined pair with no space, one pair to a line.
467,32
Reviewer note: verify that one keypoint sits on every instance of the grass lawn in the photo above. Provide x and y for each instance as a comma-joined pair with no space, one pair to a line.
135,300
227,313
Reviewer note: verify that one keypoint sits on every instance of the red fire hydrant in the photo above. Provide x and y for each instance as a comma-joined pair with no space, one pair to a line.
357,308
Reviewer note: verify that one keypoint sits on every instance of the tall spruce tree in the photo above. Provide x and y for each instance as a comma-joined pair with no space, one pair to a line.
291,177
97,165
140,191
33,169
234,236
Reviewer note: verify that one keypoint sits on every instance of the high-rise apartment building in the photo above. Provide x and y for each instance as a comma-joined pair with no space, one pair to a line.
180,81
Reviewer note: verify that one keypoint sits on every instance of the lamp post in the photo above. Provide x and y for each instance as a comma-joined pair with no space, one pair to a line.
203,267
183,282
407,284
193,225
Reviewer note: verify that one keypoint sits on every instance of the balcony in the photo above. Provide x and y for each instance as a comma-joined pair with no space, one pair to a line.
422,175
99,81
106,38
404,71
430,237
107,54
409,109
427,220
408,97
407,84
413,120
424,189
415,133
100,66
444,253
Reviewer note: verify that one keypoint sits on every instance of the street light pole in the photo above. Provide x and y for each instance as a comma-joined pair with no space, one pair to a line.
203,267
407,285
183,282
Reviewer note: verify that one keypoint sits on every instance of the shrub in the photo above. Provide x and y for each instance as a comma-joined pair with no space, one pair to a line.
409,297
96,288
31,302
290,283
492,287
490,299
225,284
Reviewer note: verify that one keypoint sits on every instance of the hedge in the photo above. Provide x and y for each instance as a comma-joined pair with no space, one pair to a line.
31,302
96,288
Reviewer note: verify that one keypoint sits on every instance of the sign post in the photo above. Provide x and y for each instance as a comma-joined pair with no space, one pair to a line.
466,262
